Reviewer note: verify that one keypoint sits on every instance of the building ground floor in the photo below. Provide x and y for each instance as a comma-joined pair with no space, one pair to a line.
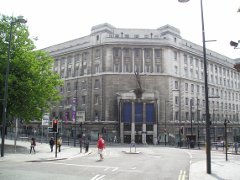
173,135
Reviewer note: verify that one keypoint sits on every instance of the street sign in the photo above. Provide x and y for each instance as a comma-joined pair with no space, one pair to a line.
50,130
81,116
45,119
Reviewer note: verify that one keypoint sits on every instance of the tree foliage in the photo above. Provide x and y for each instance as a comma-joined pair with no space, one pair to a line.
32,85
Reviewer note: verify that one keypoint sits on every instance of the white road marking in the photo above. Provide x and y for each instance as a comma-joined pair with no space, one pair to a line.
182,175
95,177
98,177
106,168
114,169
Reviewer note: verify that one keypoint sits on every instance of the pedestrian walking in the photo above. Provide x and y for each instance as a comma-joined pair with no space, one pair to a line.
115,139
51,143
100,146
32,146
59,144
86,142
236,147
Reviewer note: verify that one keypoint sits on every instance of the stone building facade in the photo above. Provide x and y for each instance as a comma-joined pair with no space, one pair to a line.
104,72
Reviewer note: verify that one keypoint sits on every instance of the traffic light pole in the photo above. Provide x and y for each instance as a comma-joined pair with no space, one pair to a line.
56,134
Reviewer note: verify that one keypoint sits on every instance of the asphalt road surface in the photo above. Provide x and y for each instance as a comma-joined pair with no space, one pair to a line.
151,163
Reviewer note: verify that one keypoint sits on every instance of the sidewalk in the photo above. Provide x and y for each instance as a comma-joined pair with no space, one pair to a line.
43,152
220,169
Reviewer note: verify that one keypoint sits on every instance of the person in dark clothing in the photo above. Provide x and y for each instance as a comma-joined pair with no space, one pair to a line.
51,143
33,144
86,144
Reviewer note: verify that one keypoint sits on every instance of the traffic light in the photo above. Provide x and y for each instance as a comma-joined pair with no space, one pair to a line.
55,125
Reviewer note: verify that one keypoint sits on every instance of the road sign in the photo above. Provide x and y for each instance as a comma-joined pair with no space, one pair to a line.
80,116
50,130
45,120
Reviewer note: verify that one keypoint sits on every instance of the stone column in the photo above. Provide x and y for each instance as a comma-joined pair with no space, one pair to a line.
154,133
133,123
156,123
121,132
133,63
153,62
144,130
122,58
143,61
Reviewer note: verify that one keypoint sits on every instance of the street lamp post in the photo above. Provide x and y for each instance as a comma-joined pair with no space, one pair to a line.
191,116
225,134
13,21
165,130
208,140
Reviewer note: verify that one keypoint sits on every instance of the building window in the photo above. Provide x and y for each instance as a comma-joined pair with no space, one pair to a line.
97,84
186,72
158,68
176,84
192,88
137,67
176,100
116,52
116,68
83,100
186,87
196,63
176,69
96,68
187,116
185,59
127,52
68,87
191,61
84,85
96,99
148,53
127,68
158,53
97,53
186,101
175,55
136,36
176,115
148,68
137,53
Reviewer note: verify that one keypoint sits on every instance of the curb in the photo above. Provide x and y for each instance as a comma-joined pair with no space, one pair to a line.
46,160
128,152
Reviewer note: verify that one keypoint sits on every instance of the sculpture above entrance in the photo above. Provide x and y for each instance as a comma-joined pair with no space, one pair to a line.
138,91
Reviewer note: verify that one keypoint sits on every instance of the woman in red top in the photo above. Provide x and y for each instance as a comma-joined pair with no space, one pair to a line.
100,146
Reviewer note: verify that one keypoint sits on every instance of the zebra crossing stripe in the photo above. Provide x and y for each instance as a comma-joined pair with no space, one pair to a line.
182,175
98,177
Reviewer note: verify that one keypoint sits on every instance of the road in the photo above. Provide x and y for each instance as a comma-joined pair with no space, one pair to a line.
152,163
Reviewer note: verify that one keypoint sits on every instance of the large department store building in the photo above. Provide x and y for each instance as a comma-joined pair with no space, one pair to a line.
144,85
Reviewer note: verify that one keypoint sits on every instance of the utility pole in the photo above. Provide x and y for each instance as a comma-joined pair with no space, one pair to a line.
226,143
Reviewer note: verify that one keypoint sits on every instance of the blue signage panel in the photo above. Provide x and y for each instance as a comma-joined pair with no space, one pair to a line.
149,113
127,112
138,112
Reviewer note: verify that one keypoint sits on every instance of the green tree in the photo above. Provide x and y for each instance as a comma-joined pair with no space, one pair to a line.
33,86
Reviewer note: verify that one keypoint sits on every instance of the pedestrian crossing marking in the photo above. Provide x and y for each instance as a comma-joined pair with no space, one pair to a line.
98,177
182,175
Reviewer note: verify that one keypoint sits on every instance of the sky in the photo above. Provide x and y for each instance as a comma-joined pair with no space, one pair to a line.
58,21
